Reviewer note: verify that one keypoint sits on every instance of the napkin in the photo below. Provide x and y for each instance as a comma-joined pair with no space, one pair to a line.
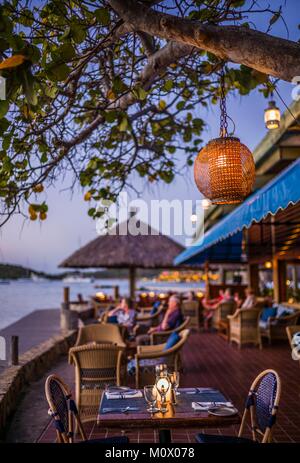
124,395
207,405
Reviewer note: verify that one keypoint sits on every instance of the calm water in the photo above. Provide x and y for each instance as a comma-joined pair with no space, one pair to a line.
20,297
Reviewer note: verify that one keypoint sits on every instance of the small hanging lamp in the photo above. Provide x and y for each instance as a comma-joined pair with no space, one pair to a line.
224,169
272,116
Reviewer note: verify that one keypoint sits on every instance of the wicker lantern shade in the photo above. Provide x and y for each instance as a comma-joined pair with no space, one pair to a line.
224,170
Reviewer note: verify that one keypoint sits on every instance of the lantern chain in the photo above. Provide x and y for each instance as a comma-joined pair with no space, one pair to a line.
223,116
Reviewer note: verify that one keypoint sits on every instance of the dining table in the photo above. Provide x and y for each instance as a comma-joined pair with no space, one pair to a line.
130,412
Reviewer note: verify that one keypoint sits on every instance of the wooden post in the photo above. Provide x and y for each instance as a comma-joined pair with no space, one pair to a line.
132,282
66,297
14,352
116,292
207,288
253,278
279,280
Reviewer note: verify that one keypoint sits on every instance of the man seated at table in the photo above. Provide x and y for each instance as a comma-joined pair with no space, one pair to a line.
172,319
123,314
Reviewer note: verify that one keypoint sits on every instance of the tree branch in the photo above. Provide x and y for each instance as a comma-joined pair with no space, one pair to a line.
260,51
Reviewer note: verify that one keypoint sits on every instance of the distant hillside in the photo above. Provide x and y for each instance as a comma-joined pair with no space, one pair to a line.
13,272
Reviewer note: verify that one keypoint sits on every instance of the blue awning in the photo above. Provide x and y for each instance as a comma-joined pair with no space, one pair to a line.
278,194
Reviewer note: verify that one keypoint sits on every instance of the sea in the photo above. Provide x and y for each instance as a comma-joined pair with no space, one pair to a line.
20,297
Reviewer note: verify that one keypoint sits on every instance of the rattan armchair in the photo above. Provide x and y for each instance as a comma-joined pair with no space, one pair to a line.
275,328
261,410
64,413
191,309
291,331
96,365
159,337
151,320
149,356
221,322
244,327
100,333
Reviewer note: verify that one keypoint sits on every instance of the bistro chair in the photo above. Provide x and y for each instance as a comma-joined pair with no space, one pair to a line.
221,322
261,407
159,337
147,357
65,415
96,365
101,333
244,327
191,309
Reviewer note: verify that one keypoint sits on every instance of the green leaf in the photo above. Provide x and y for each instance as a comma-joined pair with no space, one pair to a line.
140,93
168,85
162,104
28,86
4,106
123,126
102,15
77,32
4,124
57,71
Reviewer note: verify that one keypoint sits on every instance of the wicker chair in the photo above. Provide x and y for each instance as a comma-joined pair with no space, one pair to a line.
221,322
275,328
64,413
244,327
261,406
101,333
191,309
152,320
159,337
95,366
291,330
149,356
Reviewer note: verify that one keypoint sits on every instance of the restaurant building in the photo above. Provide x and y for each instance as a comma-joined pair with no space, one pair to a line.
263,233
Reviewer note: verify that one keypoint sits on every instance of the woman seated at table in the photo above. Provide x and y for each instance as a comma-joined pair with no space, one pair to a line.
249,302
123,314
211,305
172,319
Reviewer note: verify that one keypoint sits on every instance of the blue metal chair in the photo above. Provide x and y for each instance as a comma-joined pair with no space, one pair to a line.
261,406
64,413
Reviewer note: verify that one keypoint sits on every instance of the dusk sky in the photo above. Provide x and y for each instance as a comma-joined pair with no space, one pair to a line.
43,245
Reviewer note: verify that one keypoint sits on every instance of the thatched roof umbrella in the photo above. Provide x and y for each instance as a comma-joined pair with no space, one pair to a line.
122,249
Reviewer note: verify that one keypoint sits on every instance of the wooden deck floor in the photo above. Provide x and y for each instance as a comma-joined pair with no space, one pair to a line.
210,361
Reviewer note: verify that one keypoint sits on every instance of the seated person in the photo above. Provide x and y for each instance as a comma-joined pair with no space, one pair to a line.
211,305
172,319
250,301
125,315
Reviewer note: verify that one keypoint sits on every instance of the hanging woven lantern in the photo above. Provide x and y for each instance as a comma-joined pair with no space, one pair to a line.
224,169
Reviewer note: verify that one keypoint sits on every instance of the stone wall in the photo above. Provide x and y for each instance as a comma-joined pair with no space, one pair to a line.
32,365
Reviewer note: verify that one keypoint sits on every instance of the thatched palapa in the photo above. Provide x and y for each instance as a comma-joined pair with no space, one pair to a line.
131,244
